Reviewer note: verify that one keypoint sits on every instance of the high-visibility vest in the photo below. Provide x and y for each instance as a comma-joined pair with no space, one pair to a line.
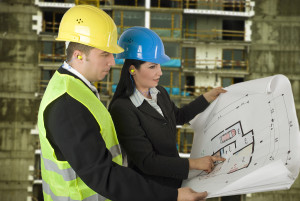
60,181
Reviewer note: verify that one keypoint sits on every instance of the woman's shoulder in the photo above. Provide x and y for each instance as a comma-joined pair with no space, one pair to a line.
161,89
121,102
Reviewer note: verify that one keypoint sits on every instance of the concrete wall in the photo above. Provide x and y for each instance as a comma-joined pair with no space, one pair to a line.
18,105
275,49
209,56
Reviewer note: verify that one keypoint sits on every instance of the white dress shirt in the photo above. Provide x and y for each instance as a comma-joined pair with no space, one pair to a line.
137,99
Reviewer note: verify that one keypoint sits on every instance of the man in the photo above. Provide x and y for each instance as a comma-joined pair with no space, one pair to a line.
81,158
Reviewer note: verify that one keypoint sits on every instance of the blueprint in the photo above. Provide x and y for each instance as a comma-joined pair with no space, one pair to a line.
254,126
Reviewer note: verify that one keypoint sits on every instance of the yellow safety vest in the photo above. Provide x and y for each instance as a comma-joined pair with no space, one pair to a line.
60,181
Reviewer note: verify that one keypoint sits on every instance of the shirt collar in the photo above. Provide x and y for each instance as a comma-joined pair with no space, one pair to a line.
137,97
75,72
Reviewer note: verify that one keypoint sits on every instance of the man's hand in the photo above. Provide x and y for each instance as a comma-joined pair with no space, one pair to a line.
187,194
213,94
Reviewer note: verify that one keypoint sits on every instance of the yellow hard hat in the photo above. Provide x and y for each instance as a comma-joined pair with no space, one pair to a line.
90,26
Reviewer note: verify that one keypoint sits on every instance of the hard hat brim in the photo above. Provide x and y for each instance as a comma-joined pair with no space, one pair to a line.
115,49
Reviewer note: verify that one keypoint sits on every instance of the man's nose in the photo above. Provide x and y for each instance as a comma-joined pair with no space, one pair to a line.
111,60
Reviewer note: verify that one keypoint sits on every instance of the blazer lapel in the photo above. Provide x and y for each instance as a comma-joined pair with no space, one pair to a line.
160,101
147,108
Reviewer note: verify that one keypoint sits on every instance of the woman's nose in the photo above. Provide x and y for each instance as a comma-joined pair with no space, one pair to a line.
159,70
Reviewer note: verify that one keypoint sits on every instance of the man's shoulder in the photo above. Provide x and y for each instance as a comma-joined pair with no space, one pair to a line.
63,103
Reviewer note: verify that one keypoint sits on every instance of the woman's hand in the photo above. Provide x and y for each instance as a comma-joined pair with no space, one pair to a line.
188,194
206,163
213,94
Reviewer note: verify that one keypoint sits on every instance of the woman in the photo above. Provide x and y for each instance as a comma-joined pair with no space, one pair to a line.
144,115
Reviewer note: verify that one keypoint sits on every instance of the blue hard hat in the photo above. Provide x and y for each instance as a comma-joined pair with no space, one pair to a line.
143,44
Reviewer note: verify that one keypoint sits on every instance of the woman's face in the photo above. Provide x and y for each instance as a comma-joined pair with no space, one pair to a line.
147,76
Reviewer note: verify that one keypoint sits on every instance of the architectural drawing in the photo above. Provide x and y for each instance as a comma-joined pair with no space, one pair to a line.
235,144
254,126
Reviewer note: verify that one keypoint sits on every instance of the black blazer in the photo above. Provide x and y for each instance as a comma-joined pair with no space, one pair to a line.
76,137
149,139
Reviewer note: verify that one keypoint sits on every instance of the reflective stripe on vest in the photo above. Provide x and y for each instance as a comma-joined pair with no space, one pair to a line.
60,182
66,173
47,190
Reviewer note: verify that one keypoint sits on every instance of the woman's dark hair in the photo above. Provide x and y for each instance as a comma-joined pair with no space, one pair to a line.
126,85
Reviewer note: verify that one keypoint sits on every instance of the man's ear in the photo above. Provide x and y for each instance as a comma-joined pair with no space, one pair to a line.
78,55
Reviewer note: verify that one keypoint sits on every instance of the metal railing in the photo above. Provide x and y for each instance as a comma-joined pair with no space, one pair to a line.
195,90
229,5
51,27
215,64
214,34
52,57
57,1
167,32
168,4
104,87
96,3
184,139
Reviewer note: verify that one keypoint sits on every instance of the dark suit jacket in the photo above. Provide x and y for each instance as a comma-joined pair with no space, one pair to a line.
149,139
76,137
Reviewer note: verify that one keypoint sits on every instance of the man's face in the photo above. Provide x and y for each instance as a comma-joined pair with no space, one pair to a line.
97,64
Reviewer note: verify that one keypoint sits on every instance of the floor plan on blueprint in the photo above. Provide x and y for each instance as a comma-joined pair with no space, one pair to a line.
255,127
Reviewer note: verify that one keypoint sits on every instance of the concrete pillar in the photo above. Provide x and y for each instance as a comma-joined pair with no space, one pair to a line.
18,106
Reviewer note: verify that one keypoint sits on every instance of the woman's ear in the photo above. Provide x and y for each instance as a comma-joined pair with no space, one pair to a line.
132,70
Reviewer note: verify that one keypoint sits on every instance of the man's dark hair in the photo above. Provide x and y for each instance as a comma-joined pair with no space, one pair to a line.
77,46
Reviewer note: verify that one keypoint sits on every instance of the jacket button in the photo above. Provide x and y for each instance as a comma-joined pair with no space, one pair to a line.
164,124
